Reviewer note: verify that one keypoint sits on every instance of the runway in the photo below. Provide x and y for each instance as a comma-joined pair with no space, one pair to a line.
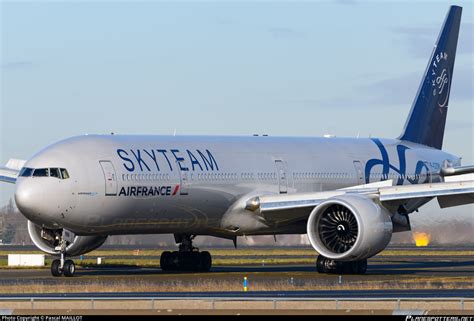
311,294
438,283
396,276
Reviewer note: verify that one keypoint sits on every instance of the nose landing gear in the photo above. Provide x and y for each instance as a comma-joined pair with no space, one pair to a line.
62,266
68,268
188,258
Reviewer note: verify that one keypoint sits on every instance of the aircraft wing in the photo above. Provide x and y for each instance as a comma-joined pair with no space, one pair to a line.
454,191
10,171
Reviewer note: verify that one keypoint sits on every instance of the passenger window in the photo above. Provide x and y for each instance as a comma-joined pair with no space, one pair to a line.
64,173
41,172
26,172
54,172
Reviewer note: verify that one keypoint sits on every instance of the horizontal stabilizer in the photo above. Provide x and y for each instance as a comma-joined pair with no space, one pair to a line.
460,170
10,171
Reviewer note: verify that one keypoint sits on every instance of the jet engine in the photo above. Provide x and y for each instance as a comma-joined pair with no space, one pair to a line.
47,240
349,228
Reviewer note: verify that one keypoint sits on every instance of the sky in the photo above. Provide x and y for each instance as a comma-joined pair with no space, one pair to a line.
347,68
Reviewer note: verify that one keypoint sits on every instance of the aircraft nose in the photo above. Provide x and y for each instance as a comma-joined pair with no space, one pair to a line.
28,198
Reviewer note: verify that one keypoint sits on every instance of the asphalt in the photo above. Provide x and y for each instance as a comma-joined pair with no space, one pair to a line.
379,266
327,294
431,270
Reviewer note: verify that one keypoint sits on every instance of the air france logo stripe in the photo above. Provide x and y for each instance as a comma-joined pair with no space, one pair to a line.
176,188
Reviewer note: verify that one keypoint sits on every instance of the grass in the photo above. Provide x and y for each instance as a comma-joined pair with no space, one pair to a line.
233,282
144,262
227,257
176,285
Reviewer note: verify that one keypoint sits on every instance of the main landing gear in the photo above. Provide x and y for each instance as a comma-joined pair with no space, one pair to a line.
62,266
325,265
188,258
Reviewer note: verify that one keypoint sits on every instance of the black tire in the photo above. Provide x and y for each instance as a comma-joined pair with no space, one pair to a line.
352,267
69,268
206,261
341,268
321,264
189,261
195,262
56,268
175,262
165,261
362,266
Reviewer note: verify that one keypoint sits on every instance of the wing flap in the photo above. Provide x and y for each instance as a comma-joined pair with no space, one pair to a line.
455,200
445,189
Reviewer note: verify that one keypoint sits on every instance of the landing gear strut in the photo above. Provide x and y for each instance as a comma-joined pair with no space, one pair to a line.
325,265
62,266
188,258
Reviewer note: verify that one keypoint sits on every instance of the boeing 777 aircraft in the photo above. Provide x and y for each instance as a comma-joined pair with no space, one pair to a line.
348,194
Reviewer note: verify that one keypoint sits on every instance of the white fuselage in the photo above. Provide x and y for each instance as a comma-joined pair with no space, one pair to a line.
199,184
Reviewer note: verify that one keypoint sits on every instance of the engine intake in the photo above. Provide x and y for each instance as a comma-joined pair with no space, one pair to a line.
349,228
338,228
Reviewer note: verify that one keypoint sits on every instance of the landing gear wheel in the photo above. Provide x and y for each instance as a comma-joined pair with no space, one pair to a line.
206,261
165,261
174,262
325,265
321,264
56,268
69,268
362,266
355,267
188,258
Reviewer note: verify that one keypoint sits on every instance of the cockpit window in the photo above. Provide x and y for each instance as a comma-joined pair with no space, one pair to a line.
54,172
64,173
26,172
41,172
60,173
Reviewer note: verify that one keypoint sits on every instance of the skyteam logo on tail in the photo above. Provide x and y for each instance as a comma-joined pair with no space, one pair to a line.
402,171
440,78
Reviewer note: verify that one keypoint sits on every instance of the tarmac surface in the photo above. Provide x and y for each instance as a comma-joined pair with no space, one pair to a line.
389,269
440,284
326,294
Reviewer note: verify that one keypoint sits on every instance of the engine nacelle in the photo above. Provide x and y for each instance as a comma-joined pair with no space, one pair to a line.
349,228
46,240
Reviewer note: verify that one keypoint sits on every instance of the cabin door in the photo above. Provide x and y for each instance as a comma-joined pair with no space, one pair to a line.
110,178
183,179
282,179
359,172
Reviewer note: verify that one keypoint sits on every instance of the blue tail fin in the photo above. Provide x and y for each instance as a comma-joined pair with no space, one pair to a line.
425,124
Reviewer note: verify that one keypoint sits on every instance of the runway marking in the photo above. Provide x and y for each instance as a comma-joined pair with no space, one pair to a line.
409,312
6,311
